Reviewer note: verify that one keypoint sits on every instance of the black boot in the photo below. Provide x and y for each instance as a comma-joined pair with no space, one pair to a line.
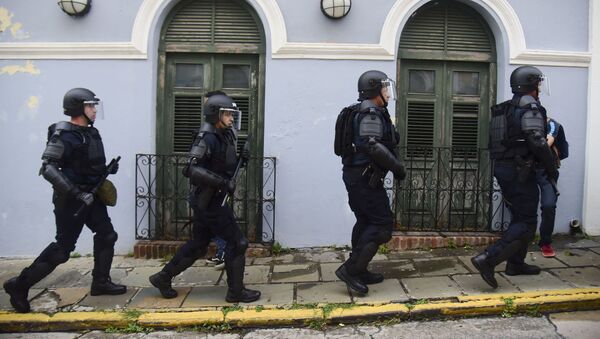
18,295
486,269
370,278
237,292
523,269
102,286
162,281
352,281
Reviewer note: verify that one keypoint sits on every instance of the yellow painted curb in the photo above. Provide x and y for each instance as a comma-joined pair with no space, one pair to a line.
86,320
249,318
534,294
23,322
180,319
340,314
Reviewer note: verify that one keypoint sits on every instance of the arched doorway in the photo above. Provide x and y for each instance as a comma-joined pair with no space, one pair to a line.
207,45
446,79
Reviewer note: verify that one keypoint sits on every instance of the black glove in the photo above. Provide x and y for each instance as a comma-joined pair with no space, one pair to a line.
552,174
400,173
114,169
230,186
87,198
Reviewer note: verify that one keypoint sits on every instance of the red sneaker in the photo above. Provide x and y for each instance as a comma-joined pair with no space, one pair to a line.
547,251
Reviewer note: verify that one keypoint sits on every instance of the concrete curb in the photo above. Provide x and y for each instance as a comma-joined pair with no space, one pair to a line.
485,304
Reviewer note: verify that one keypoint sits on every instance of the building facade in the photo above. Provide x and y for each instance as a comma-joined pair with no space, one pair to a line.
292,69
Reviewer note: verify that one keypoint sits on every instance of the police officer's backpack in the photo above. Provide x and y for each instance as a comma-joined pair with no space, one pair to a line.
561,142
499,128
344,131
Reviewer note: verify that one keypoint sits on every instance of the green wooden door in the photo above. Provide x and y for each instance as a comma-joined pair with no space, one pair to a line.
208,45
443,117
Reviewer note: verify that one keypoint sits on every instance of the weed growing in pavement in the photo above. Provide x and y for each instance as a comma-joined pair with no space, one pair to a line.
259,308
309,306
451,243
327,308
75,255
316,324
509,307
412,305
131,327
166,258
234,307
277,249
383,249
132,314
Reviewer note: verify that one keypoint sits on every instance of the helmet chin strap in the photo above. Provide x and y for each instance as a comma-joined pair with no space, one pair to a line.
89,121
385,103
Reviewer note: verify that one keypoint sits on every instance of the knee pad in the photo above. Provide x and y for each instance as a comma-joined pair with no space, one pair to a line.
55,254
383,237
108,239
240,247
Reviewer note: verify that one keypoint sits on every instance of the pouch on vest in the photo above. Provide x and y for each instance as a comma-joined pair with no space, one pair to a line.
107,193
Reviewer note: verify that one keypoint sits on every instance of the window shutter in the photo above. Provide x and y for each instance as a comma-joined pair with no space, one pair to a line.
420,126
465,124
212,22
445,30
188,117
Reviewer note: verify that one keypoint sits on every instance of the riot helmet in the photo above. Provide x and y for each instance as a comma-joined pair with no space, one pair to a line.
218,106
525,79
75,101
372,83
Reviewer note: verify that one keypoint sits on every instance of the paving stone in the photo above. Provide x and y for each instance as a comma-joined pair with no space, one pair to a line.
280,259
466,260
128,262
262,261
536,258
540,282
394,269
107,302
387,291
474,284
256,274
328,271
578,257
327,292
198,276
295,273
377,257
595,250
582,243
577,325
321,257
273,294
409,254
439,266
583,277
431,287
30,335
65,277
138,276
204,296
5,298
70,295
151,298
46,302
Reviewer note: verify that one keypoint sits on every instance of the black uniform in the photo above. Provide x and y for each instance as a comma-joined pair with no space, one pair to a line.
213,161
73,162
364,170
524,148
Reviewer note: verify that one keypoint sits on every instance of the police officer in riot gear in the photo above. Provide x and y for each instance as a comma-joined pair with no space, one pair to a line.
517,146
73,162
365,167
212,162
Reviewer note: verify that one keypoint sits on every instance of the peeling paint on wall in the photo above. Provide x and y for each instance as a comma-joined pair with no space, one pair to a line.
33,102
16,29
13,69
5,19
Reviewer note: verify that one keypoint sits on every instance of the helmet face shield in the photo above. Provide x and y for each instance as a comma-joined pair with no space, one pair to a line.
544,85
97,106
388,89
231,117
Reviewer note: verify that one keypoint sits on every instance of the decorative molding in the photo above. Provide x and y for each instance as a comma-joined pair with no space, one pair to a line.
150,11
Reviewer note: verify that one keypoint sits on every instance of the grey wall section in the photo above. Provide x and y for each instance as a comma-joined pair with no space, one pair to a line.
108,20
303,100
305,22
26,218
555,25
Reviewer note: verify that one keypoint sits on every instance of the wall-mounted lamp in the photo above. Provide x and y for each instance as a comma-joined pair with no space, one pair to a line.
335,9
75,7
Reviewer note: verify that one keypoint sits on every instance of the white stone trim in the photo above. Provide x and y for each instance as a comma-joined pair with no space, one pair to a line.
591,181
150,10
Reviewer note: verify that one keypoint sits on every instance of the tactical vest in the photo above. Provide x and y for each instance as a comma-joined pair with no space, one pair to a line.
223,160
87,161
389,139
